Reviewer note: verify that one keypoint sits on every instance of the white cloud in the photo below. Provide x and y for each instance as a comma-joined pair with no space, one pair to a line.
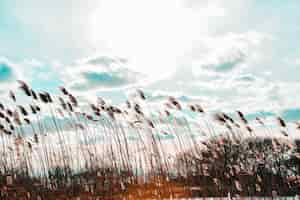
153,35
226,52
100,73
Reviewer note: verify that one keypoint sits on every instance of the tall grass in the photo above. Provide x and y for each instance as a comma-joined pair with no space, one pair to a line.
55,146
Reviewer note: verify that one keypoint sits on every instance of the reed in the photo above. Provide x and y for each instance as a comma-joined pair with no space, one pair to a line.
56,147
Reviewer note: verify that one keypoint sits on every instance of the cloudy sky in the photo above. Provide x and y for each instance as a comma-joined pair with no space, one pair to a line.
226,54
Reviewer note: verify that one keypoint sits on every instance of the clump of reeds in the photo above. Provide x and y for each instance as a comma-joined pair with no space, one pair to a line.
37,152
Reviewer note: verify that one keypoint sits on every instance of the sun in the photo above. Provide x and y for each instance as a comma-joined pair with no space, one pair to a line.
152,35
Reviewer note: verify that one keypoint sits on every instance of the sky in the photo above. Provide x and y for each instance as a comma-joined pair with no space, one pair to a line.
225,54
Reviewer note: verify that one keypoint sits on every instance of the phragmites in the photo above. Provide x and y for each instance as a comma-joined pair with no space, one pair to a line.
27,120
110,112
94,108
90,117
242,117
128,104
73,100
192,108
80,126
29,146
284,133
103,135
281,122
137,109
12,95
33,109
64,90
34,96
62,103
141,94
25,88
38,109
43,98
227,117
117,110
175,103
8,132
199,108
228,126
2,115
167,113
36,138
48,97
9,112
23,110
249,129
97,112
196,108
7,120
12,128
220,118
259,121
70,107
150,123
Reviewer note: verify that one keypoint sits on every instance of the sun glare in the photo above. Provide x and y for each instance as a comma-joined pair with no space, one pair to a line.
152,35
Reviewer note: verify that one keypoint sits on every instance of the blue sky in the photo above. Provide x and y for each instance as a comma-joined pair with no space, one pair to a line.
227,55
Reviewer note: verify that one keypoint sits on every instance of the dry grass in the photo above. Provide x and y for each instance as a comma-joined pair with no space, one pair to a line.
38,159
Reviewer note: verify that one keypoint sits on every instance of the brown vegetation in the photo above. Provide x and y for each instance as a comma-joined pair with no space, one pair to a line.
39,162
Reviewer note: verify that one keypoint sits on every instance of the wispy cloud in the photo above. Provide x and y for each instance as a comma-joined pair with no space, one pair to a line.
100,72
